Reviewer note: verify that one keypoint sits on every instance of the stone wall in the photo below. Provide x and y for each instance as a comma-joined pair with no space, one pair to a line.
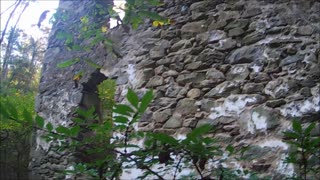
248,67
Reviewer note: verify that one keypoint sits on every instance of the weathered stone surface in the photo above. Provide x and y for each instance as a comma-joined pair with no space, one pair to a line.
305,30
235,32
207,104
275,103
194,27
291,59
186,106
251,12
143,76
184,43
215,75
246,54
234,105
157,52
238,23
162,116
224,89
225,44
194,93
259,77
280,88
191,122
173,91
155,81
173,123
190,78
170,73
193,65
256,152
245,67
209,56
238,72
204,122
253,37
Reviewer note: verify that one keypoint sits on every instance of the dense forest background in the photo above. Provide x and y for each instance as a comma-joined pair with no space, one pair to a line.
21,59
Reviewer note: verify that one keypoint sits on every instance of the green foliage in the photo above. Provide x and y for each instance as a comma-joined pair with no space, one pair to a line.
16,119
304,149
112,148
137,10
16,108
95,32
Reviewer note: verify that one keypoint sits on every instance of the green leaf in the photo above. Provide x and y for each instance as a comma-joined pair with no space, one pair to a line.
86,114
120,119
12,110
145,101
3,111
78,120
40,121
92,64
49,126
308,130
68,63
297,126
62,130
291,135
123,109
133,98
230,149
197,132
74,131
27,116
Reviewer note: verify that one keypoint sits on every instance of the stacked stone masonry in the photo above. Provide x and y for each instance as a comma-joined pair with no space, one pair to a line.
247,67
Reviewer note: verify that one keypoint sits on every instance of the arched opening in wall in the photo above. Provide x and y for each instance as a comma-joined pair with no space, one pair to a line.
90,99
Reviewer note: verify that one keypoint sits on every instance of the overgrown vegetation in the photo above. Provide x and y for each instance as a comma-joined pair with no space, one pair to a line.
305,150
107,144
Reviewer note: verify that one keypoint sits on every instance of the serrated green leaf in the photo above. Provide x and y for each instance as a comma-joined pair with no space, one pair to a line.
308,130
78,120
291,135
133,98
145,101
49,126
40,121
297,126
123,109
68,63
120,119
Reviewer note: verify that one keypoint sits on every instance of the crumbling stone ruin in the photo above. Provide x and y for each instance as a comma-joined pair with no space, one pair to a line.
247,67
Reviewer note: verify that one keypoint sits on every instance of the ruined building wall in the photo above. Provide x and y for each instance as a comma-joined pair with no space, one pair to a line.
248,67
